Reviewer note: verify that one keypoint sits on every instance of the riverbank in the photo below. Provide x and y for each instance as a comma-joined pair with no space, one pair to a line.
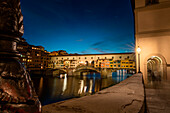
127,96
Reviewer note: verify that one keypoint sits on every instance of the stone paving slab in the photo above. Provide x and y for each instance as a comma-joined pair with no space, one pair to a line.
158,96
125,97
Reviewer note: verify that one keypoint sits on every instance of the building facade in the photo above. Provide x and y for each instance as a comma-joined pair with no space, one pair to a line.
33,57
115,60
152,28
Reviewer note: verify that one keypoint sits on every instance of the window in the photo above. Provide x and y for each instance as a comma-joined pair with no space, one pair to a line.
85,57
73,58
98,57
118,65
67,58
127,56
149,2
105,57
120,57
79,57
56,58
112,57
91,57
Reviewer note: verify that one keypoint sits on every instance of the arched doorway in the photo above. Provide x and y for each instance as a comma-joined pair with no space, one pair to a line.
155,69
86,63
92,63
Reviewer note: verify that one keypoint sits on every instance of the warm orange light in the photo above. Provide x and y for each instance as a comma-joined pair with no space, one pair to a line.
138,49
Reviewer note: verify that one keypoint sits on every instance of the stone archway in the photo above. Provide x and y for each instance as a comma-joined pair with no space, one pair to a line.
86,63
92,63
155,68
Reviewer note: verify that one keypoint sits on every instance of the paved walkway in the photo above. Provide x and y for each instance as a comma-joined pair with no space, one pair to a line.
158,96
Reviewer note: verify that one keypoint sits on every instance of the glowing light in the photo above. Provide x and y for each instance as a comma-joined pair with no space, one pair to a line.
91,85
64,83
153,57
81,62
138,49
81,87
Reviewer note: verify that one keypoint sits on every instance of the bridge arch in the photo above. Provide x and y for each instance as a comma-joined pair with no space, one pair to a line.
86,68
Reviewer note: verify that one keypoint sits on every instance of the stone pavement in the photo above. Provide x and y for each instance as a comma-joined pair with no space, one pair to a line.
158,96
125,97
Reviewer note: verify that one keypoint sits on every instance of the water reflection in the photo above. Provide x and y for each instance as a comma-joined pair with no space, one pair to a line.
51,89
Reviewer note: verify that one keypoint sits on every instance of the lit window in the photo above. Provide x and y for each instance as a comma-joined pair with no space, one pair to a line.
38,55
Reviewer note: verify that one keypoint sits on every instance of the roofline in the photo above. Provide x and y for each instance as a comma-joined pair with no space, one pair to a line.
96,54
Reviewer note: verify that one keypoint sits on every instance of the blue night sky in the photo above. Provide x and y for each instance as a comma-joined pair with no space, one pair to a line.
79,26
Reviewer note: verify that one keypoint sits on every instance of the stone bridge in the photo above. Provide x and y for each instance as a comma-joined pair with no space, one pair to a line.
86,68
80,70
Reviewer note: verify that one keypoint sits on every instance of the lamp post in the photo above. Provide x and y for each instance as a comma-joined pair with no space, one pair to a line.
139,50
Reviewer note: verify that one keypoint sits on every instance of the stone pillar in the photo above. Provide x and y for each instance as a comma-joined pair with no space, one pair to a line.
17,93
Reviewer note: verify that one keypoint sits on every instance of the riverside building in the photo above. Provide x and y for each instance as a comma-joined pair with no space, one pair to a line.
112,60
34,58
152,35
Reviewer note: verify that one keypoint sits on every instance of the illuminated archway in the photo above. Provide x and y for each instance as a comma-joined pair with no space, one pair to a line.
86,63
92,63
155,69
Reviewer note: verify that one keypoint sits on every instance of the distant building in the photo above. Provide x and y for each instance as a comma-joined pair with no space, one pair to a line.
152,26
60,52
33,57
114,60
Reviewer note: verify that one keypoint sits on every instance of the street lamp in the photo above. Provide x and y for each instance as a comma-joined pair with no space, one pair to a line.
139,50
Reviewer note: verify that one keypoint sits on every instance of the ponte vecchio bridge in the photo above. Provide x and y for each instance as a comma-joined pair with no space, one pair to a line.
101,63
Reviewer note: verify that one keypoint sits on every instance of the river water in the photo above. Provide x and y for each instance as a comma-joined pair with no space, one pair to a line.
54,89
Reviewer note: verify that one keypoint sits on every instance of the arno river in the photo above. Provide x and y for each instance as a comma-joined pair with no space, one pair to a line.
55,89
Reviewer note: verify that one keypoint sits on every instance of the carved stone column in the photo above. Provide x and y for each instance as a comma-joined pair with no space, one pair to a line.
17,93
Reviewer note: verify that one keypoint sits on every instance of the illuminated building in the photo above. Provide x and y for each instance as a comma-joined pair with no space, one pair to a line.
60,52
112,60
152,28
33,57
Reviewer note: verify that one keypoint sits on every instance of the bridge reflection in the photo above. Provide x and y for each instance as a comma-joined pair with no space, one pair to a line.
54,89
